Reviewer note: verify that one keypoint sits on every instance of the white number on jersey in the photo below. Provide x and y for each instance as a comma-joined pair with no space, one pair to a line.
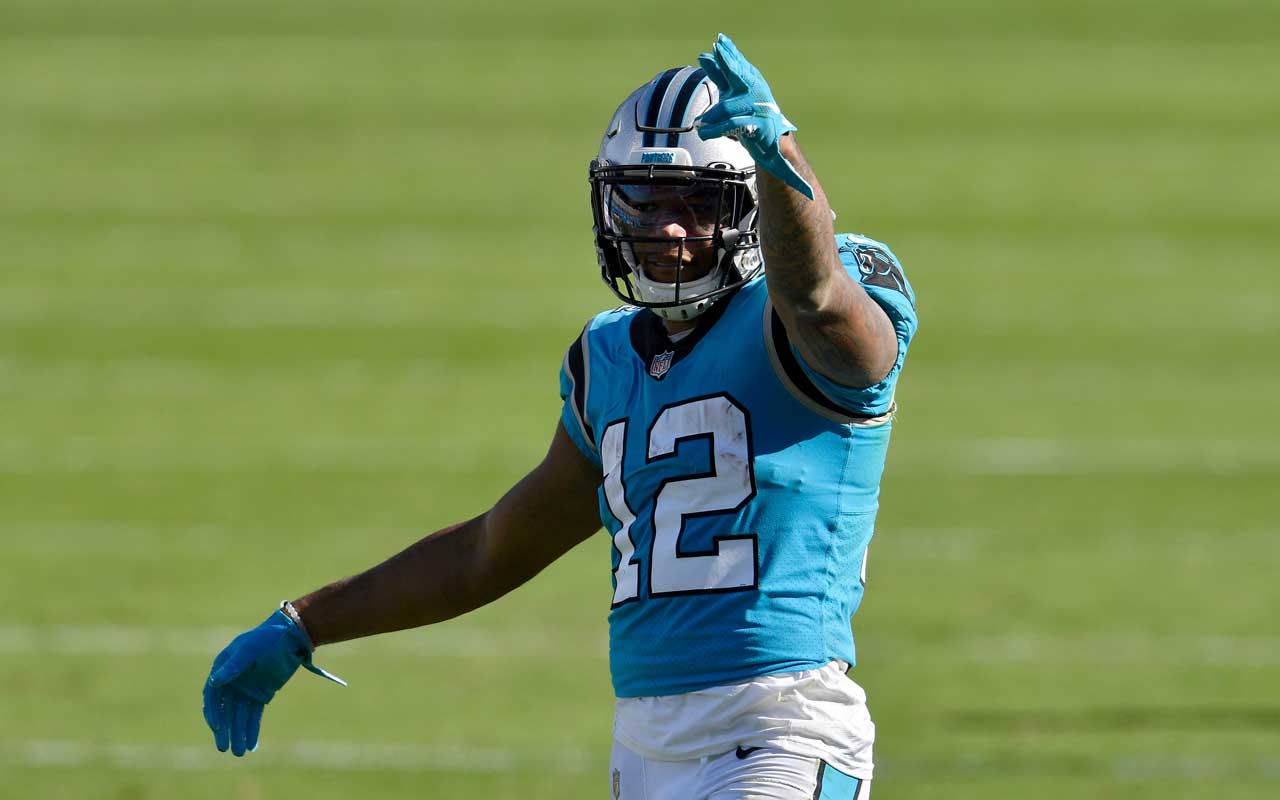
730,564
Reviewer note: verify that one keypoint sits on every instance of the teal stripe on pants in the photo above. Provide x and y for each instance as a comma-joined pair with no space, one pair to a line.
835,785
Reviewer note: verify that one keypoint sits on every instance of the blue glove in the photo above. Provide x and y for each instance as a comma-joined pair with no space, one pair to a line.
248,673
747,112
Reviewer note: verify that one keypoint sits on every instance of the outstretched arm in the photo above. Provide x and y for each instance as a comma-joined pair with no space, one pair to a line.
441,576
838,329
470,564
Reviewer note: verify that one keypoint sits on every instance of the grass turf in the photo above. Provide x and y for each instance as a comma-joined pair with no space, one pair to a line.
283,288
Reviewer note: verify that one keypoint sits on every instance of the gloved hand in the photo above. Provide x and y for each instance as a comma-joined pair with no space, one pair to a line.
747,112
248,673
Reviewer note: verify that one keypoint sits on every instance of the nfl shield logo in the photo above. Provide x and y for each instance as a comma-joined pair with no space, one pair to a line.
660,364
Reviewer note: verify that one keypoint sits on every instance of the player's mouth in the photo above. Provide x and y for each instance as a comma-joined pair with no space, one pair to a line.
669,273
684,265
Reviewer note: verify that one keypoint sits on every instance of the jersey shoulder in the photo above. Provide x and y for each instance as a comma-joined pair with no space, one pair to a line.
880,274
605,336
599,344
613,323
875,267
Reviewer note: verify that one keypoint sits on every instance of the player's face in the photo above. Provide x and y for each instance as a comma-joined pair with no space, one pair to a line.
674,226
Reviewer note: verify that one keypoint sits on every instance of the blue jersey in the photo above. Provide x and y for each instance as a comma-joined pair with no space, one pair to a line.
739,486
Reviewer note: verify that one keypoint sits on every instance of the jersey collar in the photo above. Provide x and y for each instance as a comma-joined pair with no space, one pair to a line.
649,335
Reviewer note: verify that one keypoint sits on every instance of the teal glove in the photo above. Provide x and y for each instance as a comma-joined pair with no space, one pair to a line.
747,112
248,673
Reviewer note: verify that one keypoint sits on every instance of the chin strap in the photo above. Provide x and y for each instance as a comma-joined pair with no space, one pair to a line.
728,238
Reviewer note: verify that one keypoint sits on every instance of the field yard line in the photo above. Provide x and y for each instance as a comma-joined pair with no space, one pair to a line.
417,377
341,757
983,457
1056,456
81,538
1010,647
270,308
442,641
353,454
107,539
61,753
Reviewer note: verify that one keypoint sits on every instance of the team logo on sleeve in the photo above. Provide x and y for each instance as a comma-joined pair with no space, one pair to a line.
660,364
875,266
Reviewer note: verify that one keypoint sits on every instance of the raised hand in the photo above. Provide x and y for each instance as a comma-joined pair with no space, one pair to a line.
747,112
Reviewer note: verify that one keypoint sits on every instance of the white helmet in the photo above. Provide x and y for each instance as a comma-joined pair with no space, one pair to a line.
675,217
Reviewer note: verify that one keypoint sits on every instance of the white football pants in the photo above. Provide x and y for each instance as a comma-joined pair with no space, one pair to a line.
744,774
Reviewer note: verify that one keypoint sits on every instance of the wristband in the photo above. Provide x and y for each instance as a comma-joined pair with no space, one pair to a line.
296,619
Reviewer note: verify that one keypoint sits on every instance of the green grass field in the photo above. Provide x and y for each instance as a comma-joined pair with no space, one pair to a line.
284,286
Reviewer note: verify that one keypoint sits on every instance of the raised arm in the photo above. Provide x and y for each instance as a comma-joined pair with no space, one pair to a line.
441,576
838,329
470,564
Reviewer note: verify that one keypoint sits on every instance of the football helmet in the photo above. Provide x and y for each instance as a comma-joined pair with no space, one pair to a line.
675,217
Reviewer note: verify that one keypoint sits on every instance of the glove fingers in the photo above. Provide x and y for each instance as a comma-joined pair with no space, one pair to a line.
215,713
254,726
209,707
239,726
736,68
716,115
716,130
729,114
712,67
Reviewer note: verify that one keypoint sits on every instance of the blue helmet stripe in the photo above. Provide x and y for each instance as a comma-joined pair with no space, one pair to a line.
655,104
682,104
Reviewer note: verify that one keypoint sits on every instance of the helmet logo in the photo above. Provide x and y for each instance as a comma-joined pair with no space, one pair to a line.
661,364
671,155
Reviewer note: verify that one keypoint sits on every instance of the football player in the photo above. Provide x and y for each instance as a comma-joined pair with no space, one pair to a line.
728,426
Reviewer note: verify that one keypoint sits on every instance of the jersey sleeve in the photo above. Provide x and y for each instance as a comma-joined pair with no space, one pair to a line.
574,378
878,271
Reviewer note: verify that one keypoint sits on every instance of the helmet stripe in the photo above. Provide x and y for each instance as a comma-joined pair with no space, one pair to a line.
655,103
682,104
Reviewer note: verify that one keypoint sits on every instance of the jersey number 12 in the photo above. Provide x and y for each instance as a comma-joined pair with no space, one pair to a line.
728,484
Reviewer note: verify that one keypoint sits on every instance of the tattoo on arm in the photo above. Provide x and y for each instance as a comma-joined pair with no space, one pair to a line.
835,325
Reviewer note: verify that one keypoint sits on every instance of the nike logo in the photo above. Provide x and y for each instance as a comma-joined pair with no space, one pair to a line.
743,752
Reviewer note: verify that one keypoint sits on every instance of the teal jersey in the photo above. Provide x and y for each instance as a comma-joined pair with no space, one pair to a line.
739,486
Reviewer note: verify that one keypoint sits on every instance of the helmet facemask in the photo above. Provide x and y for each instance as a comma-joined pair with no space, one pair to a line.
675,215
675,238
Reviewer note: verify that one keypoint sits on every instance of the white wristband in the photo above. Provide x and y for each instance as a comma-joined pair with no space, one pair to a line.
292,613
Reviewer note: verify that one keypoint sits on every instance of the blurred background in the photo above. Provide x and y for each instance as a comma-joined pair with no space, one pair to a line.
285,286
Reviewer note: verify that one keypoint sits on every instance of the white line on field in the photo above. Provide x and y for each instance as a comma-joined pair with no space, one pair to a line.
444,641
370,307
169,378
61,753
1027,456
143,374
455,641
125,540
1103,540
76,455
1120,648
274,308
999,457
340,757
